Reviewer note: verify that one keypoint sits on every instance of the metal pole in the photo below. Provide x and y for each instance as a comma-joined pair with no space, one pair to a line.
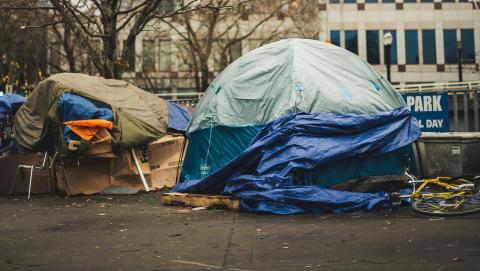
455,111
459,60
145,185
465,111
388,61
475,110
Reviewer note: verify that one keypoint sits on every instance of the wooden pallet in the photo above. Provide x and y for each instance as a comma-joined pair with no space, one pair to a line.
198,200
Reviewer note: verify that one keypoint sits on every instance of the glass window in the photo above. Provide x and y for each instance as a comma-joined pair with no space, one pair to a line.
429,47
131,59
236,50
373,47
334,1
218,56
164,55
426,1
411,46
335,37
393,48
182,55
351,41
148,56
409,1
450,45
388,1
448,1
167,6
350,1
371,1
468,45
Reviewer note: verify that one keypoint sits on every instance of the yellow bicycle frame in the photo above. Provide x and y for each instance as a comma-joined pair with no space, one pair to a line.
445,195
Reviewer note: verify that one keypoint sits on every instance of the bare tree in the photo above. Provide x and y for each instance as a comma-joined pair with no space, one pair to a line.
99,22
23,51
94,26
223,23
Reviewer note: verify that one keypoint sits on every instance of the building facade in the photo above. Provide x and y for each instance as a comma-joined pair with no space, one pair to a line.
427,36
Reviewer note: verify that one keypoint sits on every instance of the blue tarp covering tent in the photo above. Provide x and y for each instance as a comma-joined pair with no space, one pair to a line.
289,119
178,117
75,107
9,99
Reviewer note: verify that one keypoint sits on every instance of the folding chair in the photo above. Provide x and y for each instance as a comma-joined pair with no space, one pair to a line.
45,165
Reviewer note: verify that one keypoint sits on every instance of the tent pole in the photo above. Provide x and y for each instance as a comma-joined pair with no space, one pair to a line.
139,169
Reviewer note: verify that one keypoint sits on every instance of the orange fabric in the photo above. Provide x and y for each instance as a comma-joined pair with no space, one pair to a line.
87,129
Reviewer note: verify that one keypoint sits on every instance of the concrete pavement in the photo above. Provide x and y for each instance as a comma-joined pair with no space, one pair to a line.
138,233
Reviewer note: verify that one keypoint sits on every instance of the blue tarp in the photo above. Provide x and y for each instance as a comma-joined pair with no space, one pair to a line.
8,99
178,117
267,174
75,107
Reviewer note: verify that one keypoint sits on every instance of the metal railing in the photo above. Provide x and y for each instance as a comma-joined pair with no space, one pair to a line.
463,101
438,87
185,98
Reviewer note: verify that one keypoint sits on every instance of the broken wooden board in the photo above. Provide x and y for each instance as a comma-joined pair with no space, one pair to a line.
198,200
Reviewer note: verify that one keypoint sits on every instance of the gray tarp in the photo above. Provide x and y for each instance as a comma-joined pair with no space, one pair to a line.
139,116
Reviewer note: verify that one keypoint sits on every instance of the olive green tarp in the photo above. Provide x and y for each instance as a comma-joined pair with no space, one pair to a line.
139,116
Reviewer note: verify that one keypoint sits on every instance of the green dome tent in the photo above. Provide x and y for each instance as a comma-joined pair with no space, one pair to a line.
292,75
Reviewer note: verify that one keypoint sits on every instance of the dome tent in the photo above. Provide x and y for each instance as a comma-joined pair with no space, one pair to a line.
288,76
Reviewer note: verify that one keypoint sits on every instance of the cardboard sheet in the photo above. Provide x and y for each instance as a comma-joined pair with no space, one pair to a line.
163,158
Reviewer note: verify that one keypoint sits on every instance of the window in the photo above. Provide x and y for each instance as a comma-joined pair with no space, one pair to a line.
335,37
411,46
448,1
236,50
409,1
468,45
371,1
218,57
351,41
426,1
334,1
393,48
167,6
182,55
429,47
388,1
373,47
164,55
131,58
350,1
148,56
450,46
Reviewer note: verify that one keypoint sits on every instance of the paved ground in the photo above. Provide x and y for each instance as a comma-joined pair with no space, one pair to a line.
137,233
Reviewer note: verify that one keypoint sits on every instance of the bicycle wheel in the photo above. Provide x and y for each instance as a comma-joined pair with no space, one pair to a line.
454,206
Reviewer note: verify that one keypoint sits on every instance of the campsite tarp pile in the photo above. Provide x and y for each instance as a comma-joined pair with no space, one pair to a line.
138,116
8,100
282,115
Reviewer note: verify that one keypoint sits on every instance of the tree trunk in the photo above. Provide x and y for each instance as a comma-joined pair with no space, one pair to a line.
205,79
69,48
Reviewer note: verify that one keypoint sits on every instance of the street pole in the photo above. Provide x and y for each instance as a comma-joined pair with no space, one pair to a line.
459,61
388,61
387,45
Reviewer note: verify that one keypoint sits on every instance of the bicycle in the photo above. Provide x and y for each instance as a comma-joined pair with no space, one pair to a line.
442,196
